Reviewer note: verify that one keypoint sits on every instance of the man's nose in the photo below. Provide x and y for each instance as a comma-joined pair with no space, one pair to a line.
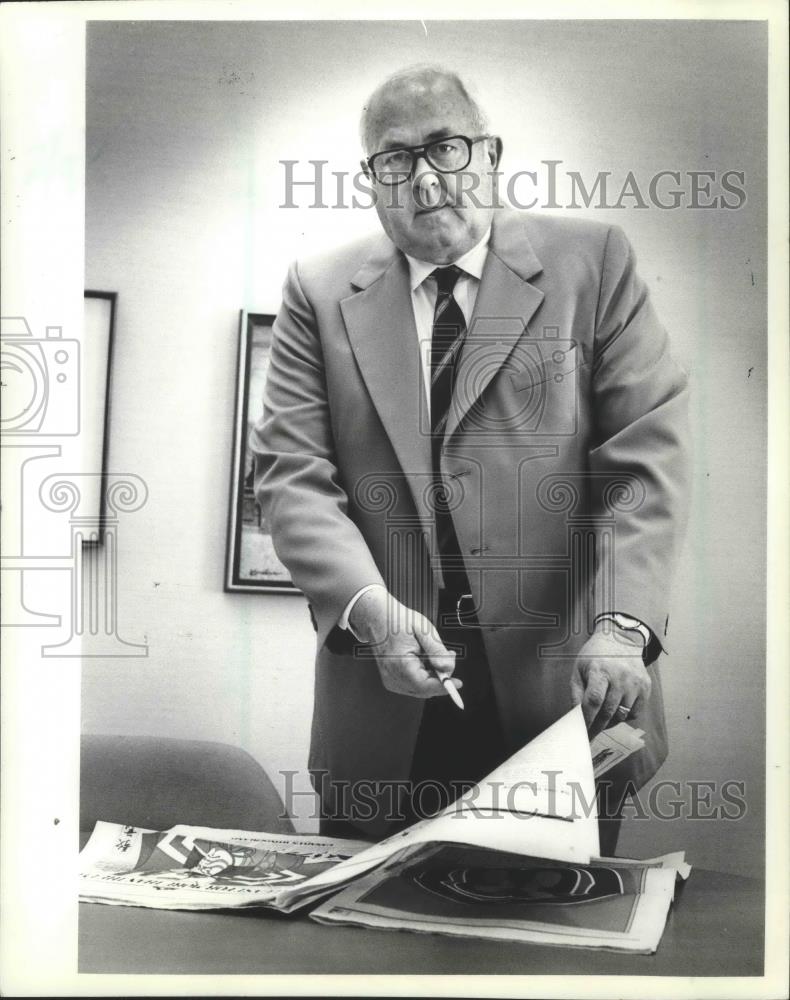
426,184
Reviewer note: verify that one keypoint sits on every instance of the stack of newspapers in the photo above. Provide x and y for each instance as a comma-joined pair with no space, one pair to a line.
513,859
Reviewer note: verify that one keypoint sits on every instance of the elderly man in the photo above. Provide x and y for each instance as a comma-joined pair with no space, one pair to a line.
473,462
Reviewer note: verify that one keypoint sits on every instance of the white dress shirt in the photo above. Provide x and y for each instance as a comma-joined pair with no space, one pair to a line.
424,292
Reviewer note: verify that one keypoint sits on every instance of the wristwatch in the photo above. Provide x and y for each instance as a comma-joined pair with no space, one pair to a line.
627,623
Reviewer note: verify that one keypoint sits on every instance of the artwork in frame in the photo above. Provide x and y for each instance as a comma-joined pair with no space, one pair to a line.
251,561
97,348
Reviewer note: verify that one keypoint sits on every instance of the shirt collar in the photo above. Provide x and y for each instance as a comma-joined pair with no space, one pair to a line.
471,262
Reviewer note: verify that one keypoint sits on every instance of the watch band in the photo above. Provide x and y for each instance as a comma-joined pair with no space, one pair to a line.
627,623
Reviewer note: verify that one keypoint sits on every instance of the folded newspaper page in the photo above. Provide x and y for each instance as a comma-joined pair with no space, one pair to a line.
462,891
539,803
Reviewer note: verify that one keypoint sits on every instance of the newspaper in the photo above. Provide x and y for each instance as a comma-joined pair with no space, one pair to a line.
200,868
615,904
613,745
539,803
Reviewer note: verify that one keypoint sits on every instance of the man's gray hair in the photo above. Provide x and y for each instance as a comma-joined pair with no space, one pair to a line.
426,74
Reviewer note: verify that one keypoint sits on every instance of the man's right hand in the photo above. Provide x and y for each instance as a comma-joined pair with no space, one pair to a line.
404,643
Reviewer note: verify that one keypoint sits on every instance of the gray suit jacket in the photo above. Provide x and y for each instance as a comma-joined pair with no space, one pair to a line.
566,447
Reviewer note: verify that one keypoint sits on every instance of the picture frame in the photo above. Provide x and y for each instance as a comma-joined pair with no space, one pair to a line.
97,352
251,565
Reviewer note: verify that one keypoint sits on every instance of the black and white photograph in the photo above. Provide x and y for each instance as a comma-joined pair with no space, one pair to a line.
401,545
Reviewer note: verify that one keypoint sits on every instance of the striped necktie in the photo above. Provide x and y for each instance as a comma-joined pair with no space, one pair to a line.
449,329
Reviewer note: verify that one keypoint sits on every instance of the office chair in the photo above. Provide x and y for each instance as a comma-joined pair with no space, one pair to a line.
156,782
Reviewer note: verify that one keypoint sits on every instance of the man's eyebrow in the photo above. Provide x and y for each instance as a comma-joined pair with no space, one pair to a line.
439,133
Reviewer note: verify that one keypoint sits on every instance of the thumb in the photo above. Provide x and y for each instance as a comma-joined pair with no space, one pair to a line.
440,657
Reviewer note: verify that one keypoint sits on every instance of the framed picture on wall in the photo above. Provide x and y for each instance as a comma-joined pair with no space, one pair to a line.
97,346
251,562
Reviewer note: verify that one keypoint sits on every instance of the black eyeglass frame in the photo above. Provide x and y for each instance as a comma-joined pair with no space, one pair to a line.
417,151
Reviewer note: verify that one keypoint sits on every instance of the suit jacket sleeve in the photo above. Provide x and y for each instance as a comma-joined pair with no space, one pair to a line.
296,477
641,440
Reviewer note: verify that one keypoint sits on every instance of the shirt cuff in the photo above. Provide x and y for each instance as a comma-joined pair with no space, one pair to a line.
343,620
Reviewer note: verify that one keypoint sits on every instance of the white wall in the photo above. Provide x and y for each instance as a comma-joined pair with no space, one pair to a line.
186,125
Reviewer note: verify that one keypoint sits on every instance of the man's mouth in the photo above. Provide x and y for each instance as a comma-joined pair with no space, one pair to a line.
434,209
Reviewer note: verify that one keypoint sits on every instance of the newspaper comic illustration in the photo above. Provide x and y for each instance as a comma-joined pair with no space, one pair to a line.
199,868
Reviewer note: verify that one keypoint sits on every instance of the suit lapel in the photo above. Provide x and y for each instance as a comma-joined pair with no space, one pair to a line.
380,324
505,304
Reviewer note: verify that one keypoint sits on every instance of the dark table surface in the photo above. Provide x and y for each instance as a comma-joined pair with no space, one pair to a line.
715,928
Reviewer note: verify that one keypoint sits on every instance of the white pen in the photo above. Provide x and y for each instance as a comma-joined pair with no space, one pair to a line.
450,688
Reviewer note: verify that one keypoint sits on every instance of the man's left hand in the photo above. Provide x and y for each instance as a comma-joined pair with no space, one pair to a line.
608,675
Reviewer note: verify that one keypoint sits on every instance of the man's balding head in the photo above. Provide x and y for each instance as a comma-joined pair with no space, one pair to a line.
416,86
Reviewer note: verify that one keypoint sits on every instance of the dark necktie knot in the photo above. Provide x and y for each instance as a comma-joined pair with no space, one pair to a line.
446,277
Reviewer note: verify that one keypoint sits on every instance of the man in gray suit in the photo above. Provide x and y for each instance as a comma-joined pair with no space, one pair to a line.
473,463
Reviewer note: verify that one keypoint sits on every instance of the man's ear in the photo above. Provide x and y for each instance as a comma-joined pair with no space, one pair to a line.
365,169
494,150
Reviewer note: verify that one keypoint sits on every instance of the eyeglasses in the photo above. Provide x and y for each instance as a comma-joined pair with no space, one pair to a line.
447,155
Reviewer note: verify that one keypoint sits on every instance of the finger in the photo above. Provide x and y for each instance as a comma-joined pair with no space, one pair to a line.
628,689
622,713
610,705
635,695
577,688
425,663
437,689
427,635
594,697
408,675
637,707
438,655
